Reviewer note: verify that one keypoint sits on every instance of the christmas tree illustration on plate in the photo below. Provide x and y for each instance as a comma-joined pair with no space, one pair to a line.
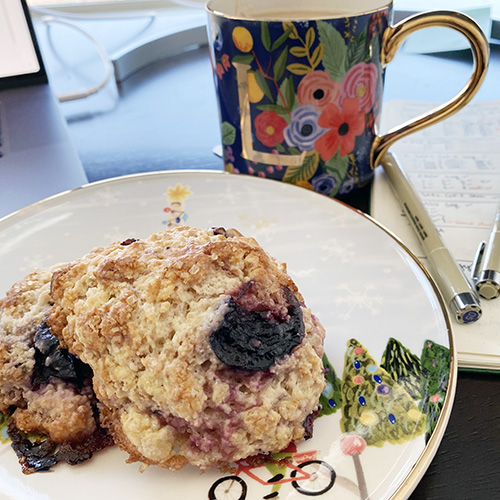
331,397
376,409
435,361
403,366
425,379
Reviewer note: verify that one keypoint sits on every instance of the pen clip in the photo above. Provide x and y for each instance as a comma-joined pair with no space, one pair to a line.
478,258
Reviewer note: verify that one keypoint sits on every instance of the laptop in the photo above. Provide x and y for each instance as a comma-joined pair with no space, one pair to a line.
37,156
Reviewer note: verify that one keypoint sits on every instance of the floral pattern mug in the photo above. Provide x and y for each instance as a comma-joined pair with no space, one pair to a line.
300,94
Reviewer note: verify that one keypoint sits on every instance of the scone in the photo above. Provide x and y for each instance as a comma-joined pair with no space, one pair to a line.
201,347
46,390
21,311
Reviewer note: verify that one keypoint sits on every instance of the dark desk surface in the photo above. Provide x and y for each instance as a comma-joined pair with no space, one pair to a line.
165,117
467,464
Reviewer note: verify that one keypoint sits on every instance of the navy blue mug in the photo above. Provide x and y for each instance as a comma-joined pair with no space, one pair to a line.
300,86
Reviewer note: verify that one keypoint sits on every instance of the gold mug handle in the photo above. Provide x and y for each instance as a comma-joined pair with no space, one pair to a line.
393,38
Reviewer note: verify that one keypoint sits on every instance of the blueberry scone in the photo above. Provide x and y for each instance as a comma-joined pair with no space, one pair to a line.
200,346
46,390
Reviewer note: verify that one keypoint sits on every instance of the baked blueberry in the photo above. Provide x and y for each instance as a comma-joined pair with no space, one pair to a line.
255,340
52,361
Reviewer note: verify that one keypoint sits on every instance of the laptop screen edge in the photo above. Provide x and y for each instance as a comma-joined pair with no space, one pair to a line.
37,78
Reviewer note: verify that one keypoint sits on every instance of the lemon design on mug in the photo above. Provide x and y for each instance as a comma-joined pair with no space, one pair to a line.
242,39
255,93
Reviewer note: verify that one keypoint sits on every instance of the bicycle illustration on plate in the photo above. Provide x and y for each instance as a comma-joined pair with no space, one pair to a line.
306,474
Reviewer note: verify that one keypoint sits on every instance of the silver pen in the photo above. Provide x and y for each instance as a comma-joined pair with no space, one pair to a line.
456,289
486,273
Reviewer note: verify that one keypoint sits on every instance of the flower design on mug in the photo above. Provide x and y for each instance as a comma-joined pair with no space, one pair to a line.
303,131
347,186
226,63
308,99
361,82
318,89
269,127
219,69
324,183
344,125
217,41
222,66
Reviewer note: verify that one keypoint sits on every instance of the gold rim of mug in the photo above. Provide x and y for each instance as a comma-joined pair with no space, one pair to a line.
218,13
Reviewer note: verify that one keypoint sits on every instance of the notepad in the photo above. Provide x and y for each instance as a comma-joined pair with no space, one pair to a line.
454,167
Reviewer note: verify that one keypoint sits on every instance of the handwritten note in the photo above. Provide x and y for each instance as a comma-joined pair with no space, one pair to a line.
454,167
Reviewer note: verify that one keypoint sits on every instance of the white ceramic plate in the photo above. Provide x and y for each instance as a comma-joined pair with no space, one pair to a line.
359,281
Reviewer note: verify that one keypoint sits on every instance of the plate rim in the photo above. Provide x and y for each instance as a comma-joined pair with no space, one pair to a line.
419,468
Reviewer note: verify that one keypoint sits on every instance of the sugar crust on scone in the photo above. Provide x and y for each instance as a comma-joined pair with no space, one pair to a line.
141,315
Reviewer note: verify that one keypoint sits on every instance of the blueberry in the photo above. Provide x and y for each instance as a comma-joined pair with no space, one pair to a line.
35,456
53,361
220,230
255,340
128,241
38,454
227,233
308,423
